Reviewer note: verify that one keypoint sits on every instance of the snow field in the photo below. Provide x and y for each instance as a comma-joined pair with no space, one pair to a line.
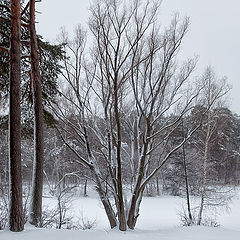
158,220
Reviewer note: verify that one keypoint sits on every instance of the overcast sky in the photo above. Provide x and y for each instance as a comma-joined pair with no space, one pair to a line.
214,33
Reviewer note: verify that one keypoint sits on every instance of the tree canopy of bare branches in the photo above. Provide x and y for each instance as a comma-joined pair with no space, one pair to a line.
118,96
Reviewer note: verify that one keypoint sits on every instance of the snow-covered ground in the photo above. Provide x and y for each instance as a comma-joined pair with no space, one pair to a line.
180,233
158,220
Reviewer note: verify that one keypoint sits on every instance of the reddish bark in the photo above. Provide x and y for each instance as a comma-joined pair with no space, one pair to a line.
15,176
37,180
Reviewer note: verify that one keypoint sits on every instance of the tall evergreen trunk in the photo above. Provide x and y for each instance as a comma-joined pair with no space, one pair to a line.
37,179
15,173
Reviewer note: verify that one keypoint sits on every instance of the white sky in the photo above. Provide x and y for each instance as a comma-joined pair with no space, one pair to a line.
214,33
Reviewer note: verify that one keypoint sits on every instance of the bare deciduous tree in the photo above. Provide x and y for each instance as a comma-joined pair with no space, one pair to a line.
118,102
215,89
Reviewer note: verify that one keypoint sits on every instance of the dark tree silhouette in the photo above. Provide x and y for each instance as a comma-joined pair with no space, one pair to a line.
37,180
15,183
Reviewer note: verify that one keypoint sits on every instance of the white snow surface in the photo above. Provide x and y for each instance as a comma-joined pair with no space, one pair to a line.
158,220
180,233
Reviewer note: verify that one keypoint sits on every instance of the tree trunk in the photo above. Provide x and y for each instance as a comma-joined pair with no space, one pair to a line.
157,183
37,179
187,186
186,180
133,213
120,201
96,172
106,204
15,173
204,183
206,150
85,189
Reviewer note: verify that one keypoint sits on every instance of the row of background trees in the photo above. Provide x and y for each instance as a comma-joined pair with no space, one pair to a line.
125,108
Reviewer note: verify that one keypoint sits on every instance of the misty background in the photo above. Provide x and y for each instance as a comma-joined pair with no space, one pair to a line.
214,33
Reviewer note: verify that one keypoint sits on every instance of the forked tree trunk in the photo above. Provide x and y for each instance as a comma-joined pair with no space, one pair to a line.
132,216
96,172
105,201
15,173
133,213
37,179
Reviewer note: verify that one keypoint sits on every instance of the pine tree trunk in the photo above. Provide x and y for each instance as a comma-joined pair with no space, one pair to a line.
37,179
15,173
